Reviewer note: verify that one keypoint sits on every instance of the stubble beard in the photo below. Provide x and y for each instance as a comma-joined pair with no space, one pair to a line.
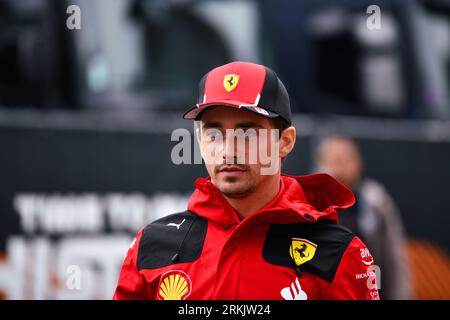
235,188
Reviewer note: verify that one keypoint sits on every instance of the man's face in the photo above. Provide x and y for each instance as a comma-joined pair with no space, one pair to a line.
236,171
341,158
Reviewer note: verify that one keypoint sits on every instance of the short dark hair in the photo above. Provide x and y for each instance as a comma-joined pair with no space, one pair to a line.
280,124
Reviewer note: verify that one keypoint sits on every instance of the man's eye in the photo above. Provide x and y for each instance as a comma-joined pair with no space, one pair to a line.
246,133
212,136
250,133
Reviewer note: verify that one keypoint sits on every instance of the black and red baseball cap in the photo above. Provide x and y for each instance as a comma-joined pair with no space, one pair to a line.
243,85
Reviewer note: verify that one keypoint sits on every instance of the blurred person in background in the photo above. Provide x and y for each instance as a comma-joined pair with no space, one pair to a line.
374,218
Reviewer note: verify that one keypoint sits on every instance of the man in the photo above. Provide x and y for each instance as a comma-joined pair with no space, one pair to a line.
249,232
374,218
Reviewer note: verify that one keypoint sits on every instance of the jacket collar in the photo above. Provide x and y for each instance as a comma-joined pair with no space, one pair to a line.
301,199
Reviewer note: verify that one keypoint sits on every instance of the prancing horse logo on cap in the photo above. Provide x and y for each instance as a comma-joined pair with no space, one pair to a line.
230,82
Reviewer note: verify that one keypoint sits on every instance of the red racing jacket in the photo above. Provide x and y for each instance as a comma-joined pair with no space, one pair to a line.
292,249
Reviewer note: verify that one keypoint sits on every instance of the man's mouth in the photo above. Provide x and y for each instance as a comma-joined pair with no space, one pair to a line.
231,168
231,171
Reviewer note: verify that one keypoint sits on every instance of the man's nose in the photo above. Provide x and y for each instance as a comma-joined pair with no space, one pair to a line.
229,152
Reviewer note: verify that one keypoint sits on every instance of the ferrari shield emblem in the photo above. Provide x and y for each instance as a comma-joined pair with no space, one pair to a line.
302,250
230,81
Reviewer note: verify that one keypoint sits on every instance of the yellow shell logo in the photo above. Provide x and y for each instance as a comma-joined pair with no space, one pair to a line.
230,81
174,285
302,250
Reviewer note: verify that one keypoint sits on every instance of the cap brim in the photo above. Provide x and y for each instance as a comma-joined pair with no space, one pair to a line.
194,112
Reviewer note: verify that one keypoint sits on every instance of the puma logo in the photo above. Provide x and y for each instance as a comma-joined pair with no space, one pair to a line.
176,225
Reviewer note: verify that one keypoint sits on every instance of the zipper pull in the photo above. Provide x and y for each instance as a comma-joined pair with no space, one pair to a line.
299,271
175,257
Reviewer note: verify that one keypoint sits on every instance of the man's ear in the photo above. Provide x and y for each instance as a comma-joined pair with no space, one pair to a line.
198,130
287,141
